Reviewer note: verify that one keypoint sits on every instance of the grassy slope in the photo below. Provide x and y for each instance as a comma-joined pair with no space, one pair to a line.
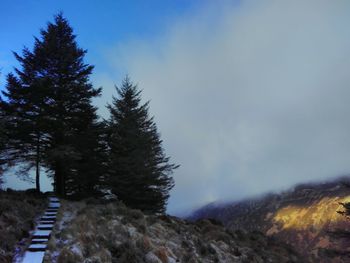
18,211
92,232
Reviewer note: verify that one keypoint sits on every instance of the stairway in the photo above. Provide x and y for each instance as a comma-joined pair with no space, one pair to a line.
36,251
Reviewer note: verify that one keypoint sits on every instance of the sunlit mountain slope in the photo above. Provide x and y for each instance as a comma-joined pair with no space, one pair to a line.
305,217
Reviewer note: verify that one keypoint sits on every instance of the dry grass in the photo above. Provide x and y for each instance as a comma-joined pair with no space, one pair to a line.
97,232
18,211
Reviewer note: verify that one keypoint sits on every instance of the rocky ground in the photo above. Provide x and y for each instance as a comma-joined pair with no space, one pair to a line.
91,231
18,211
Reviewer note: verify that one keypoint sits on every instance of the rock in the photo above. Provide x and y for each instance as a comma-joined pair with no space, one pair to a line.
152,258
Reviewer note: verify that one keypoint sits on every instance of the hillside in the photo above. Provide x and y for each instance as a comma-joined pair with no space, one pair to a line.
91,231
18,212
304,217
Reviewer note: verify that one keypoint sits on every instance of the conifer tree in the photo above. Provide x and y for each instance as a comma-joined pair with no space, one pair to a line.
49,100
138,170
24,118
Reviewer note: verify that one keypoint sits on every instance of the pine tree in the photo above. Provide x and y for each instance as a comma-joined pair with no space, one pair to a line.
50,101
72,112
89,169
138,170
25,121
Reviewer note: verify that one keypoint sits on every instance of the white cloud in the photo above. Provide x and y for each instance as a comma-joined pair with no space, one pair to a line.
248,98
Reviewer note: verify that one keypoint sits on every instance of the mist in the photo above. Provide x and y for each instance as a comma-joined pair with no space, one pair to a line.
249,97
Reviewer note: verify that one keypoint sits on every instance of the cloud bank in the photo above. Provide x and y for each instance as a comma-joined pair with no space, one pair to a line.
248,98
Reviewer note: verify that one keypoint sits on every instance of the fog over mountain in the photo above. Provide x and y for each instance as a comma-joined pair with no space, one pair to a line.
249,97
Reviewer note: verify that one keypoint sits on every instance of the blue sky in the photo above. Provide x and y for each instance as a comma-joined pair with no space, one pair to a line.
98,24
249,96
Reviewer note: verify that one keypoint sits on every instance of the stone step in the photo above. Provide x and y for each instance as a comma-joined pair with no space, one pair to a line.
37,247
50,214
52,218
32,257
36,251
52,210
47,222
54,205
41,233
39,240
54,199
45,226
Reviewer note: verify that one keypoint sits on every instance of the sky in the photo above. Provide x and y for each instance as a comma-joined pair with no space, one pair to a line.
249,96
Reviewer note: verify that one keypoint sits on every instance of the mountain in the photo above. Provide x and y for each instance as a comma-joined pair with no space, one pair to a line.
304,217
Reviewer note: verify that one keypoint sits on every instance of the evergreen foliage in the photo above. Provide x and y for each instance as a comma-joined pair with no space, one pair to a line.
138,170
47,120
24,120
3,139
48,102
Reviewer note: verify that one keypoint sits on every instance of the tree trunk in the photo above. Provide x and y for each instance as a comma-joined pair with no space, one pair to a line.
37,165
58,179
37,176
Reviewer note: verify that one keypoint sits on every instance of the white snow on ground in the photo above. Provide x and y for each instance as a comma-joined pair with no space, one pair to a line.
20,249
67,215
22,256
54,205
38,246
66,218
76,249
42,233
32,257
50,214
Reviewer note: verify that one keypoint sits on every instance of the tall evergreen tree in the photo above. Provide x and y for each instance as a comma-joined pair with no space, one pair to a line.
138,170
50,99
23,111
88,170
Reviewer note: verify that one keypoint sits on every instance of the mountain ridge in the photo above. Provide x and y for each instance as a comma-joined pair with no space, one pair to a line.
304,217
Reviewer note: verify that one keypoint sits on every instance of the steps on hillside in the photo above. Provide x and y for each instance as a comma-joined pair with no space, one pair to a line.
33,257
48,218
50,213
39,240
47,222
36,251
54,205
45,227
53,210
42,233
54,199
37,247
